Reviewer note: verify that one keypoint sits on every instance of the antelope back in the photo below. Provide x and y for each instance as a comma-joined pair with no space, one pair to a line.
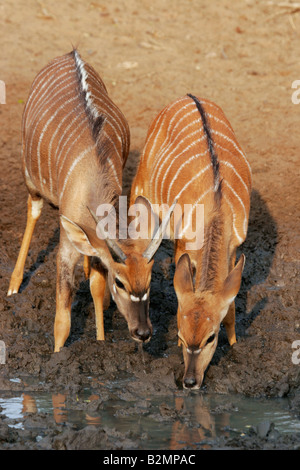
70,126
190,148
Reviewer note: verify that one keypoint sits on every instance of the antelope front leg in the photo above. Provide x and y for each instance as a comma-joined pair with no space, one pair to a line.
97,287
34,209
179,342
66,261
229,320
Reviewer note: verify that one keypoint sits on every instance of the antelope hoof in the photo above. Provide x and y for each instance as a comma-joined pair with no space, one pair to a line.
14,286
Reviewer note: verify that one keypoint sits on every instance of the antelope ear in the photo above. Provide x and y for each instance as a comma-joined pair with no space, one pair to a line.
232,283
147,220
183,278
82,240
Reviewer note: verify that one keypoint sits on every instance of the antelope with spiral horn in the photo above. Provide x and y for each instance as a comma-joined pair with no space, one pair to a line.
191,154
75,145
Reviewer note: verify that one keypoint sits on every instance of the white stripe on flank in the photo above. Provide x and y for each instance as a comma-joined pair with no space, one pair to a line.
234,145
186,116
112,115
242,204
50,81
194,143
215,118
192,210
224,162
70,135
53,137
30,141
163,116
240,239
193,157
72,167
164,148
181,154
42,133
195,177
167,138
157,122
114,146
45,71
111,163
38,108
73,142
234,155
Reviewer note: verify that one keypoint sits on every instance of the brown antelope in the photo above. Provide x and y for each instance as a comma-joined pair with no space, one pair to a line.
191,154
75,145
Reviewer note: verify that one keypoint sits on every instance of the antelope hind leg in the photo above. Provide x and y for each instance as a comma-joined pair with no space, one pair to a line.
229,320
86,266
34,209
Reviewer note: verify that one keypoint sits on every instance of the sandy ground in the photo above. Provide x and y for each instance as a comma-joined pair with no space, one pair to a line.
244,55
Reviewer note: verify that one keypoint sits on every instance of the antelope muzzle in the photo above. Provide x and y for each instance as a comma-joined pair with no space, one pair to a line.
140,327
193,375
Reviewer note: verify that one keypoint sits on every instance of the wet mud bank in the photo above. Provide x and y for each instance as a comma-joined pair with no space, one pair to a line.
258,365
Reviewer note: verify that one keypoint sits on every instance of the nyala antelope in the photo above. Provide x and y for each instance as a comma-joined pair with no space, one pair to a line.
75,145
191,155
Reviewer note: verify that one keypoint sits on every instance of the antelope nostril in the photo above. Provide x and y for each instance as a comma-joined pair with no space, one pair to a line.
142,334
189,382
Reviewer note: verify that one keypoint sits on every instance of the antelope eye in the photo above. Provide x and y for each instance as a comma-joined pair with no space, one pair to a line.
211,339
119,283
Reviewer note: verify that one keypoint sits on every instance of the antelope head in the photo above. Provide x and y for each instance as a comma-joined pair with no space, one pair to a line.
200,314
128,264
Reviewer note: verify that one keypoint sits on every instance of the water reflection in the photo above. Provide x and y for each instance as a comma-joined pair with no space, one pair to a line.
58,407
201,426
174,423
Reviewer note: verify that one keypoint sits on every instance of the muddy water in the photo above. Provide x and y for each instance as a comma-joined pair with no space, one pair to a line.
166,422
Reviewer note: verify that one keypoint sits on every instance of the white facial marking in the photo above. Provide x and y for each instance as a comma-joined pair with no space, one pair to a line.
114,288
189,351
145,296
134,298
197,351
